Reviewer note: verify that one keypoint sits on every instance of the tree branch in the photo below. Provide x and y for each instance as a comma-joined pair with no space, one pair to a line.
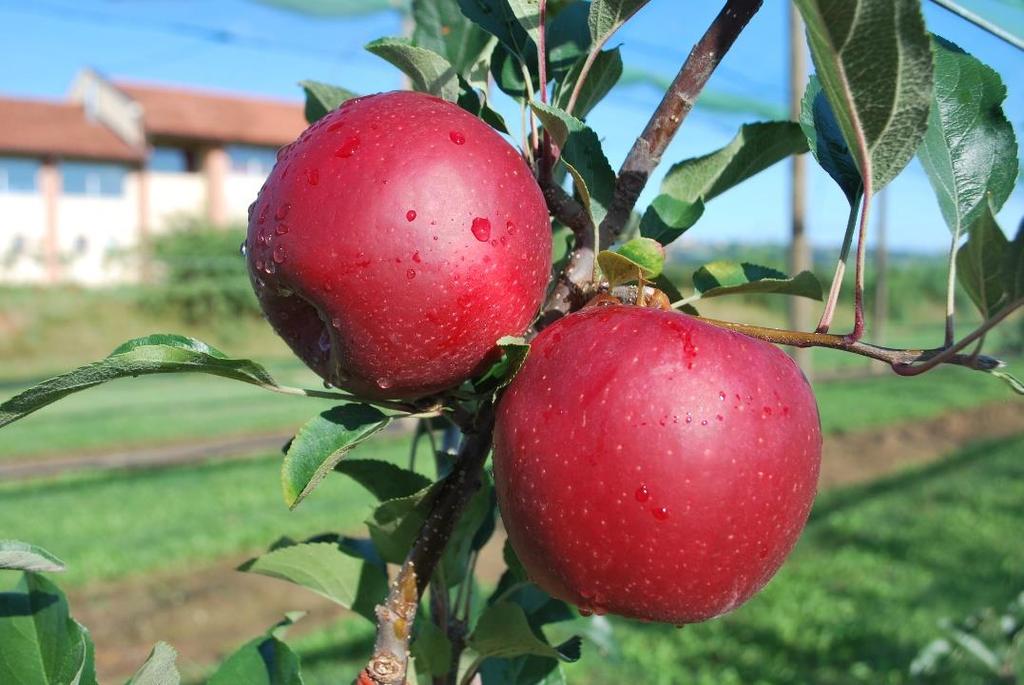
575,280
395,616
678,101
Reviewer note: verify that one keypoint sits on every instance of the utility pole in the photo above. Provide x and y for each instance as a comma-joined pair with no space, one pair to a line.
799,251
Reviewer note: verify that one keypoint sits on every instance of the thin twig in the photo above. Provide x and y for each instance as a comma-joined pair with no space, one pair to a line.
858,279
981,23
675,105
837,279
951,288
575,280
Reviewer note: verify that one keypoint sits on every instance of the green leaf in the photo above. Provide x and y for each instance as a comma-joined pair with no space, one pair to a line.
514,350
322,443
568,39
535,670
383,479
470,100
151,354
582,155
639,256
498,18
731,278
322,98
40,643
980,264
875,65
443,28
159,668
87,676
328,569
395,523
21,556
969,150
826,141
668,218
428,71
604,74
432,649
503,631
1013,267
1016,384
527,13
266,660
606,16
755,148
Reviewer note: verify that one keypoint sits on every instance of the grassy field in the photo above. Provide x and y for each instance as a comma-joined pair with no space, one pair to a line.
876,569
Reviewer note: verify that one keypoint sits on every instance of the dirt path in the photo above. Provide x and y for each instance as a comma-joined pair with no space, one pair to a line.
206,612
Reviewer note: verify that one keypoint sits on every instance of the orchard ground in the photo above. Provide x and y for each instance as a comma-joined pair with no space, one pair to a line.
855,603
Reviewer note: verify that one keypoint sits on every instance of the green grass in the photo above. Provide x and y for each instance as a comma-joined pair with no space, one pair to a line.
878,566
118,524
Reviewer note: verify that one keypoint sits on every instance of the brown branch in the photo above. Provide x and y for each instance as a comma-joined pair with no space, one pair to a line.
677,103
395,616
575,281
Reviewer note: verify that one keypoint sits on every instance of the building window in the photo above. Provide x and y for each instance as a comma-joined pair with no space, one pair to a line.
250,159
171,160
93,178
18,175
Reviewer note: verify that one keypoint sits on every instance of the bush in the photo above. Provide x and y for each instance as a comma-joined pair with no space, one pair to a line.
200,275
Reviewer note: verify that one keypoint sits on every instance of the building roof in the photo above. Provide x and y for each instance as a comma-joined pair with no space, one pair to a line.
214,117
35,127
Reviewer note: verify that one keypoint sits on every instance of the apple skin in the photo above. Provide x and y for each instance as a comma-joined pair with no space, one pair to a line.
653,466
395,241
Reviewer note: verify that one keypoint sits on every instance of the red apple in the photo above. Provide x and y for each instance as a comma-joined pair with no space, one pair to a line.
395,241
651,465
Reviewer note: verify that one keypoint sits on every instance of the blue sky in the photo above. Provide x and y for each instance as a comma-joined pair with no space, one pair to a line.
238,45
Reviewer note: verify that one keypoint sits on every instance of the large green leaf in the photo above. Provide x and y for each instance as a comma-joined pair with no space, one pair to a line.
151,354
1013,267
568,39
604,74
432,650
322,442
40,643
606,16
755,148
582,156
428,71
266,660
21,556
383,479
826,141
981,264
732,278
503,631
330,569
969,150
527,13
668,218
159,668
499,19
322,98
395,523
536,670
874,61
442,27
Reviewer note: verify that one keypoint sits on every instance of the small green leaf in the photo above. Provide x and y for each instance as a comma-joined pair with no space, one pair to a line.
582,154
159,667
969,150
875,65
637,257
826,141
432,649
503,631
755,148
266,660
668,218
443,28
514,350
328,569
607,16
322,98
429,71
980,264
395,523
40,643
1013,267
21,556
568,39
535,670
322,443
470,100
1016,384
383,479
731,278
604,74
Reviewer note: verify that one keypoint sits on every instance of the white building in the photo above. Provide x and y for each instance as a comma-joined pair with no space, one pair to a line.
87,181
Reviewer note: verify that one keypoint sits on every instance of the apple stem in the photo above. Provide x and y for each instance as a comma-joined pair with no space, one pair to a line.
679,99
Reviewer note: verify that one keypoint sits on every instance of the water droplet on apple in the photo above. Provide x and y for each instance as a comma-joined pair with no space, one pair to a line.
384,383
721,395
281,229
416,257
263,214
481,229
348,148
336,322
660,513
642,494
689,417
282,211
279,254
410,274
410,215
457,137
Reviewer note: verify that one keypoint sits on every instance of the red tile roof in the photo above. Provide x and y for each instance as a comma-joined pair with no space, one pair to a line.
34,127
215,117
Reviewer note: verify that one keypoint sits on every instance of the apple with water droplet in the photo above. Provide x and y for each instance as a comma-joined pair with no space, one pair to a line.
651,465
395,241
